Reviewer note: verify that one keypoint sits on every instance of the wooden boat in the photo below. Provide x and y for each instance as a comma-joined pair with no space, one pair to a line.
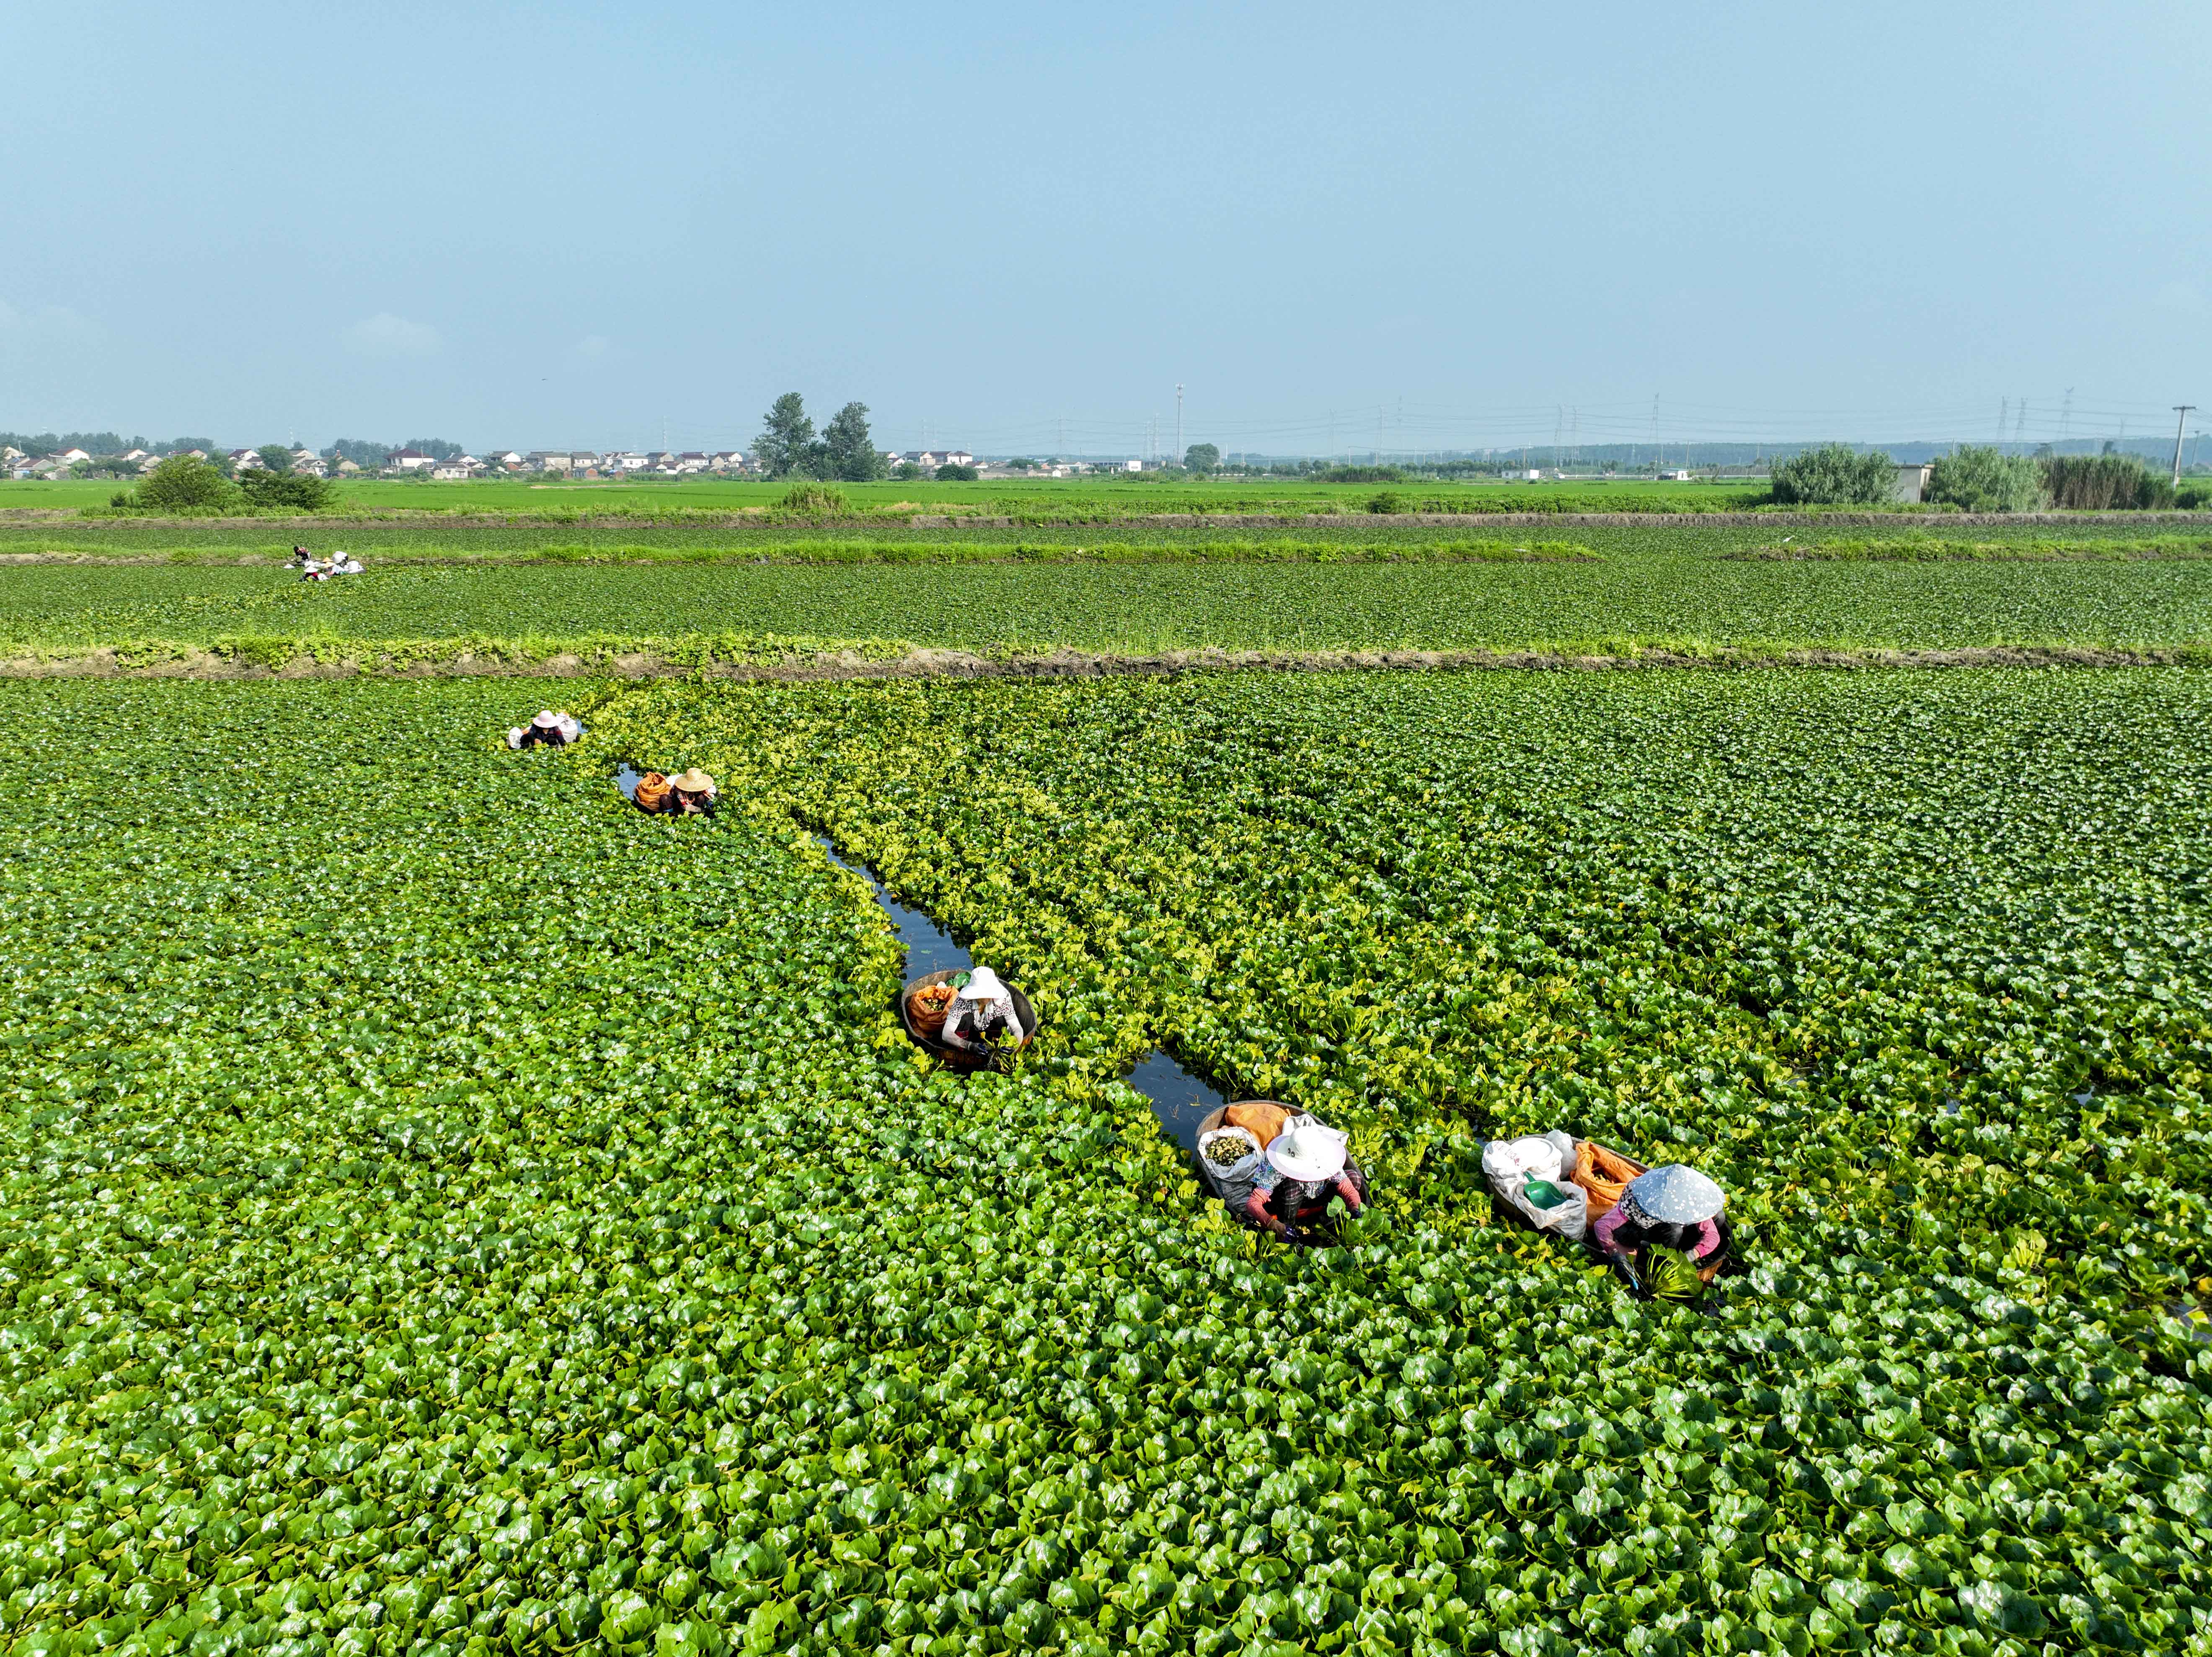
960,1058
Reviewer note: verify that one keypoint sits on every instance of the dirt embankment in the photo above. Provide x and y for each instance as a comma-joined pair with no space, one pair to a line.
198,663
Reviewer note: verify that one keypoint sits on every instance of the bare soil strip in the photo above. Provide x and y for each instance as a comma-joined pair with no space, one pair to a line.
192,663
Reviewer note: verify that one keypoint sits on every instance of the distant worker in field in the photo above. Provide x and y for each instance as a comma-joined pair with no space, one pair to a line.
546,730
1671,1207
1305,1168
982,1019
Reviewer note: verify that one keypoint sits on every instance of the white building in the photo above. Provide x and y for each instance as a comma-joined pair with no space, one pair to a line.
407,460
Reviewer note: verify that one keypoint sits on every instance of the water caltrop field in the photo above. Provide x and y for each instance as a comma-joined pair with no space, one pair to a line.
450,1211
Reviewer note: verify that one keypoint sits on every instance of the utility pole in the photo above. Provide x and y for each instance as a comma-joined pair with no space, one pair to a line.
1178,448
1558,430
1655,456
2180,419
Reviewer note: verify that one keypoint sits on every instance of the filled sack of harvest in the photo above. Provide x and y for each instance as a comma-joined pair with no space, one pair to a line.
928,1006
1263,1119
653,791
1231,1152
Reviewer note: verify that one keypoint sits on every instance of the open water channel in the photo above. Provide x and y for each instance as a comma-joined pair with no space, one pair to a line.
1179,1099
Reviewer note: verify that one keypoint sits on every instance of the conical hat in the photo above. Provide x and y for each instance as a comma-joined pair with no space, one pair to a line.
1673,1195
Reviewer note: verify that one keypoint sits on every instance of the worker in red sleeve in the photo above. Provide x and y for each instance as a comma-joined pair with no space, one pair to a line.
1304,1167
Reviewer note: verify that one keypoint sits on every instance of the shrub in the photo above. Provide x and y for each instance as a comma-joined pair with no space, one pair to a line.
302,490
1985,479
2194,497
1386,502
1835,474
818,498
2104,483
182,483
1364,475
949,474
907,471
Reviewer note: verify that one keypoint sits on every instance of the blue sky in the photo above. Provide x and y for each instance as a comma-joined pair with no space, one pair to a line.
1397,226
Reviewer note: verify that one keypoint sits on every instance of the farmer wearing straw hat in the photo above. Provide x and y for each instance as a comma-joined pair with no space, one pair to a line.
1671,1207
1305,1165
692,794
982,1012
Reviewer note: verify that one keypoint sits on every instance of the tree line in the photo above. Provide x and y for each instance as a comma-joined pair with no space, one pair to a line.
1981,478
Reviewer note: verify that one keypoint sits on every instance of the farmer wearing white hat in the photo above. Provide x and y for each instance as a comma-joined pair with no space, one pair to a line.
981,1015
1672,1207
1304,1167
546,728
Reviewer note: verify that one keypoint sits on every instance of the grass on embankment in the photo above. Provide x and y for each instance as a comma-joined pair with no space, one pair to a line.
1928,551
1276,551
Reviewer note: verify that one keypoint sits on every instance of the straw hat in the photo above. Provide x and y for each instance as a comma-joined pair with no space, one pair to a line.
694,782
1309,1153
1673,1195
546,719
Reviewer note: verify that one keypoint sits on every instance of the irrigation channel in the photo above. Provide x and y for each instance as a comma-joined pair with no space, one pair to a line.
1179,1099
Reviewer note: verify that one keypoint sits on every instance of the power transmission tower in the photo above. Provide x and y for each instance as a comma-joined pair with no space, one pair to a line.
2065,415
2020,425
2180,419
2004,412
